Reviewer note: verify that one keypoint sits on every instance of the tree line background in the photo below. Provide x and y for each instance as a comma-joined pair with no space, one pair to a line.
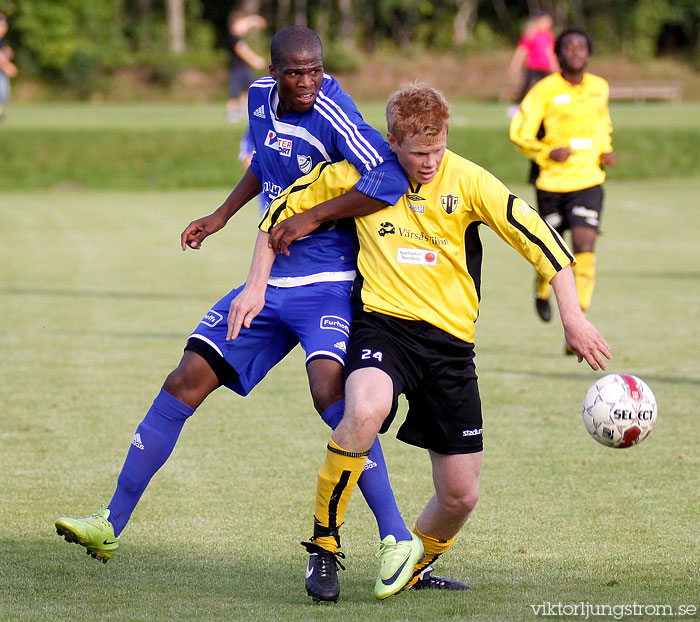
79,45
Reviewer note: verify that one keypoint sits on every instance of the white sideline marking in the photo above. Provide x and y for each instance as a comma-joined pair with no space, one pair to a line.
642,208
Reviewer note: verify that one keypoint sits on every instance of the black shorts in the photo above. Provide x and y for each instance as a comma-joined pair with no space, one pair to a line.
435,371
564,210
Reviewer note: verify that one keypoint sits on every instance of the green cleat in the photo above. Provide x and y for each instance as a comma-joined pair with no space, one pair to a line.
95,533
396,565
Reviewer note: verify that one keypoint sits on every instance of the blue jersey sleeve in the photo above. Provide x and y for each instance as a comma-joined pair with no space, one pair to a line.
364,147
387,182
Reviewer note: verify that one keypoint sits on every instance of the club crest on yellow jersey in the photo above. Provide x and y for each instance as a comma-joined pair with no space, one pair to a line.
449,202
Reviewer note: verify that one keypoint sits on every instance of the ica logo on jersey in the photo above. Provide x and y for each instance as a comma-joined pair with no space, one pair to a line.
283,145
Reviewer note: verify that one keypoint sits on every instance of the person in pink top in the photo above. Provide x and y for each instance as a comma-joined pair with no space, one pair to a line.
535,52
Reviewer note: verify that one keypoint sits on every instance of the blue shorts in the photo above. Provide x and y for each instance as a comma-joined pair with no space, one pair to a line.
318,316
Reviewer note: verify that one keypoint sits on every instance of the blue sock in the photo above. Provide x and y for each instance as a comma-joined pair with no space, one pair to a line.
374,483
151,446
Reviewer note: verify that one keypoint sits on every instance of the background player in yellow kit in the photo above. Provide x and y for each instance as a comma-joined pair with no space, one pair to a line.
416,300
572,108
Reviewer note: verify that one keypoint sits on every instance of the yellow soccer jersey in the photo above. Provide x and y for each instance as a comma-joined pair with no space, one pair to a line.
421,258
576,116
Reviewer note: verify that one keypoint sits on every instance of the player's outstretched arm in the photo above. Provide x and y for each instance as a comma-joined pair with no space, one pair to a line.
251,299
581,336
349,205
608,159
6,64
195,233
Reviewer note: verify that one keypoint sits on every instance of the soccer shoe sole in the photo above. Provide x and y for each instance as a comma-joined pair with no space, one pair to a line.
320,599
102,555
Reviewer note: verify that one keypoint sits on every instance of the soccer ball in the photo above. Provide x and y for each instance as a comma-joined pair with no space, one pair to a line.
619,410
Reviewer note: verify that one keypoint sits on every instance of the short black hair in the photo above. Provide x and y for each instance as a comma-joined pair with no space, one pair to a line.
573,30
293,39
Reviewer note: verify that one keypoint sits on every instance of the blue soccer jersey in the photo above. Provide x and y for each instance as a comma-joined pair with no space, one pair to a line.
287,148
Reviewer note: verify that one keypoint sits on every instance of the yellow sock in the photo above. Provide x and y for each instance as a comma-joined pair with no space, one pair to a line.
433,549
541,288
584,274
336,480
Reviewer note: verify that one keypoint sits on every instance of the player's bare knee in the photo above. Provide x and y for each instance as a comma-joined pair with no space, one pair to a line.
325,382
191,381
325,395
459,501
177,383
366,416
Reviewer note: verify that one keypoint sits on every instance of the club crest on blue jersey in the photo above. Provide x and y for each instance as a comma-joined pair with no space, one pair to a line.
212,318
305,163
283,145
333,322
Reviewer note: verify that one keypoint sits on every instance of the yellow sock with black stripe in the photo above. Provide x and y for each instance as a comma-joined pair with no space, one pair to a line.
433,549
584,274
541,288
336,480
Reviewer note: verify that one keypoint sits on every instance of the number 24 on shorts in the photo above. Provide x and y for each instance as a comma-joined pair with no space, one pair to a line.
368,354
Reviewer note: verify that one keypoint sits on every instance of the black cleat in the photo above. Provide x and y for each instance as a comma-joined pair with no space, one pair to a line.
543,308
426,581
322,573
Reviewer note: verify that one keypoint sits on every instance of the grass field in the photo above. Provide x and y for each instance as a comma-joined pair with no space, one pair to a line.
97,300
169,146
79,116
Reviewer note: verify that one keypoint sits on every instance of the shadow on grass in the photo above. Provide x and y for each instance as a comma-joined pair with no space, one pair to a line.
139,336
554,375
59,581
49,579
83,293
663,276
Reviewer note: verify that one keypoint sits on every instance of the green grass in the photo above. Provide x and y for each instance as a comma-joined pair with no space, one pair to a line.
81,116
97,300
166,146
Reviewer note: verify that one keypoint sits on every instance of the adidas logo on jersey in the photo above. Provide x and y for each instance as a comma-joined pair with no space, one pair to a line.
370,464
341,346
260,112
136,441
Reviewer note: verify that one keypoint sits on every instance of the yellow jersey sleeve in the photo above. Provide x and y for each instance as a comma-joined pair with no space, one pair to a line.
606,124
524,127
518,224
324,182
